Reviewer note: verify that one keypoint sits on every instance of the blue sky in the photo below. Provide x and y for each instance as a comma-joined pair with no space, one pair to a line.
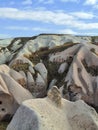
32,17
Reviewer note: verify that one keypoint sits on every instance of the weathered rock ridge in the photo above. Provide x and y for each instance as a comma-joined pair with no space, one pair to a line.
30,67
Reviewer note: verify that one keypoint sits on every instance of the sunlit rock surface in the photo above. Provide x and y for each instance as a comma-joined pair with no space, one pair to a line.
54,113
12,93
32,66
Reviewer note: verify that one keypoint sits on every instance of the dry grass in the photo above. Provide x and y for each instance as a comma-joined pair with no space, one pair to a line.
3,125
21,67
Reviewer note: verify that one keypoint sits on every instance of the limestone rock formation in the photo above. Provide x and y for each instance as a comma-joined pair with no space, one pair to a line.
63,67
31,70
31,67
13,48
30,82
18,77
40,67
12,94
81,78
24,76
21,60
52,83
46,114
40,87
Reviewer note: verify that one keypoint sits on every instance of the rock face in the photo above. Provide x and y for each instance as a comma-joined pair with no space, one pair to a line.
75,68
18,77
12,94
79,72
81,78
4,56
27,46
35,64
58,114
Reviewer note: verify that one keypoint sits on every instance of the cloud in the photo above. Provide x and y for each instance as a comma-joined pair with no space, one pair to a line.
46,1
54,17
27,28
27,2
83,15
91,2
36,15
87,26
41,29
95,6
17,28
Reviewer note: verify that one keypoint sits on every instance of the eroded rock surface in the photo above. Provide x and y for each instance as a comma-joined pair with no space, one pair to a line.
36,64
67,115
12,93
82,76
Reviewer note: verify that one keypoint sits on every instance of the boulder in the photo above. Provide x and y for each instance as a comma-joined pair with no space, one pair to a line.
31,70
40,67
63,67
30,82
58,114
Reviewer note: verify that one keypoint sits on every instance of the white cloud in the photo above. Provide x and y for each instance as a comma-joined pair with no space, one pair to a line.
83,15
46,1
91,2
17,28
37,15
41,29
87,26
27,28
45,16
27,2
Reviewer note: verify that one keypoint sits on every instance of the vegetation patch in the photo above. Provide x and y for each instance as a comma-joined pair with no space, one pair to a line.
94,39
93,51
3,125
42,55
93,70
21,67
